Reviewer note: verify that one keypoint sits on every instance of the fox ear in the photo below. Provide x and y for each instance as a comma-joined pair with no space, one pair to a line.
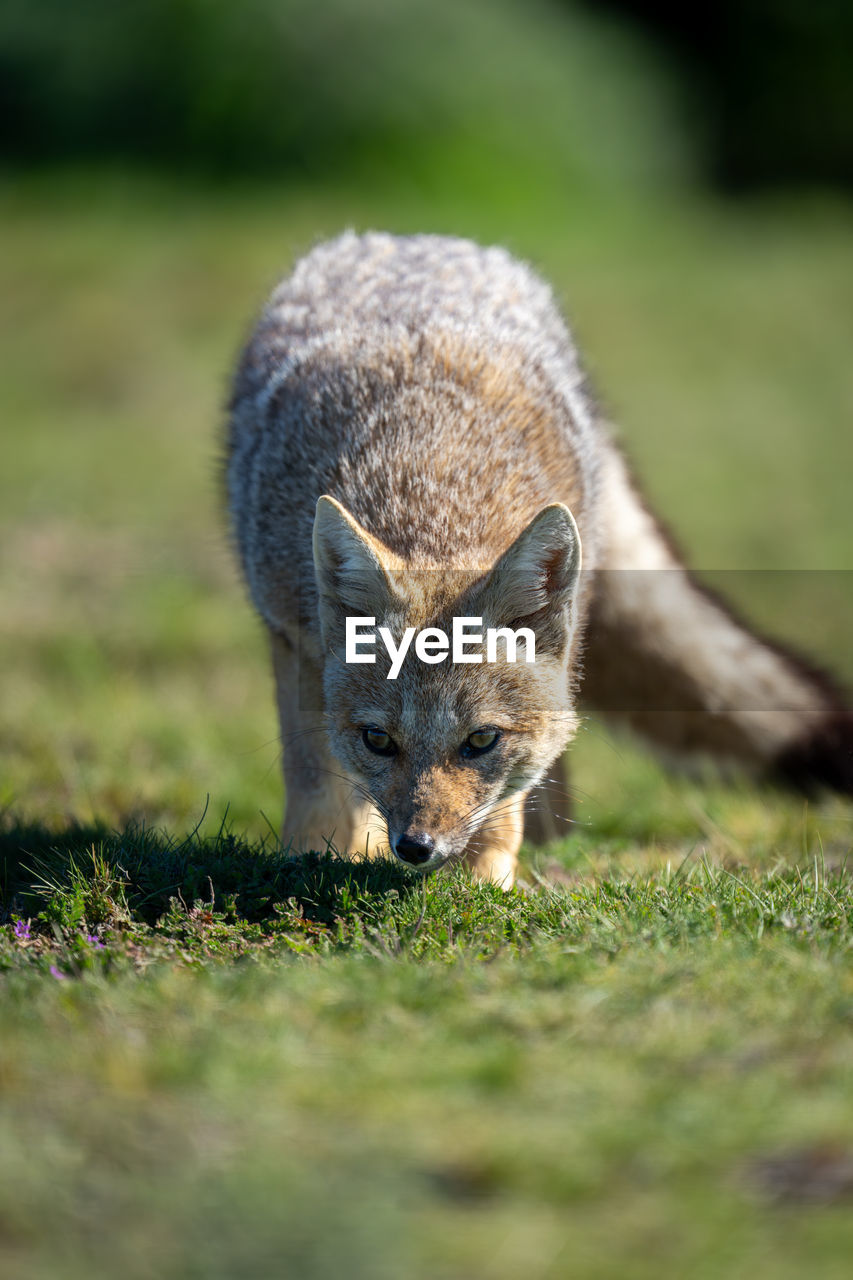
350,567
535,581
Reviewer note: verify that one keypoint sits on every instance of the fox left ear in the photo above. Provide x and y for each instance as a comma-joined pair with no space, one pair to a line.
350,567
535,581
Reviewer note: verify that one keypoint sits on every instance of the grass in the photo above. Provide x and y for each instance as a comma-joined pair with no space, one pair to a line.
318,1067
215,1059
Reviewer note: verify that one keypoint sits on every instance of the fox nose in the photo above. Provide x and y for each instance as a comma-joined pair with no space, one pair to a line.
416,848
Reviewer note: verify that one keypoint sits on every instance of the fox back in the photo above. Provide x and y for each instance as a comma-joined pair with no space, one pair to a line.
427,384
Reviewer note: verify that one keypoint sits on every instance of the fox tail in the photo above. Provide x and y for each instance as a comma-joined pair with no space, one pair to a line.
668,658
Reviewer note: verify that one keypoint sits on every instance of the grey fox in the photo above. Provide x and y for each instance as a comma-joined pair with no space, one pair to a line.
411,441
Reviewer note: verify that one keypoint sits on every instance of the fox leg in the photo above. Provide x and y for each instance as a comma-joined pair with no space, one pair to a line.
668,659
492,854
323,806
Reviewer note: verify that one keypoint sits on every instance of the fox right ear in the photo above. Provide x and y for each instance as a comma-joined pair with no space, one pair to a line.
535,582
350,567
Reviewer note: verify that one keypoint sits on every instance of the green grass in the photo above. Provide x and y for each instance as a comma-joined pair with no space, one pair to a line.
216,1060
313,1068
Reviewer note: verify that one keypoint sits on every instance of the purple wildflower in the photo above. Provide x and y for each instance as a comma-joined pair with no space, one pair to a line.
22,930
57,973
95,941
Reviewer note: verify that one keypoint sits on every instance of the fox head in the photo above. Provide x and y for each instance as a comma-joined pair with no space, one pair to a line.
442,745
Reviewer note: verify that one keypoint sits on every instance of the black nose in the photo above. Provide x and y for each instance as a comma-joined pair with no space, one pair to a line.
416,849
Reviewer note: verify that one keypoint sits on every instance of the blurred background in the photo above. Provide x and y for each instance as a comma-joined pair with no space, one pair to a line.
684,184
760,92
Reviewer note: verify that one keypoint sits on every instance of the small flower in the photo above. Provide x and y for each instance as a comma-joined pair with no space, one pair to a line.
22,930
94,941
57,973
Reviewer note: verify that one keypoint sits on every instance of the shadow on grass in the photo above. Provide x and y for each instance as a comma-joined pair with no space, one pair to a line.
136,874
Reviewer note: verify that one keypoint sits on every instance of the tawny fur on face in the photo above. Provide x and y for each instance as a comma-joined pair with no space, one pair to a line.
443,749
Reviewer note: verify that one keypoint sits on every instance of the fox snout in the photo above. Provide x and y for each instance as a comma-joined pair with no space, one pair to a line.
416,849
429,817
425,836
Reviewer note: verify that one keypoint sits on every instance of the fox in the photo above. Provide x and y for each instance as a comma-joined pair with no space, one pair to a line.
411,440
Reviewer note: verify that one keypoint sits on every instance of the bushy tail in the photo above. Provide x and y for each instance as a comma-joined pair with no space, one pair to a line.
669,659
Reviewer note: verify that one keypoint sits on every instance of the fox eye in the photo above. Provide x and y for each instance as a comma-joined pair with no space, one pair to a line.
378,741
479,742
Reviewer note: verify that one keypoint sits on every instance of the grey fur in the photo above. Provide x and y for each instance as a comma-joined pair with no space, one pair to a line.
320,405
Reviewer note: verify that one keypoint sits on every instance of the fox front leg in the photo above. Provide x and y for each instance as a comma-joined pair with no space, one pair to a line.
323,807
492,854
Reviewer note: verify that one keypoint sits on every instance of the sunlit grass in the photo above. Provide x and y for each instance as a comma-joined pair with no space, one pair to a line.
618,1075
